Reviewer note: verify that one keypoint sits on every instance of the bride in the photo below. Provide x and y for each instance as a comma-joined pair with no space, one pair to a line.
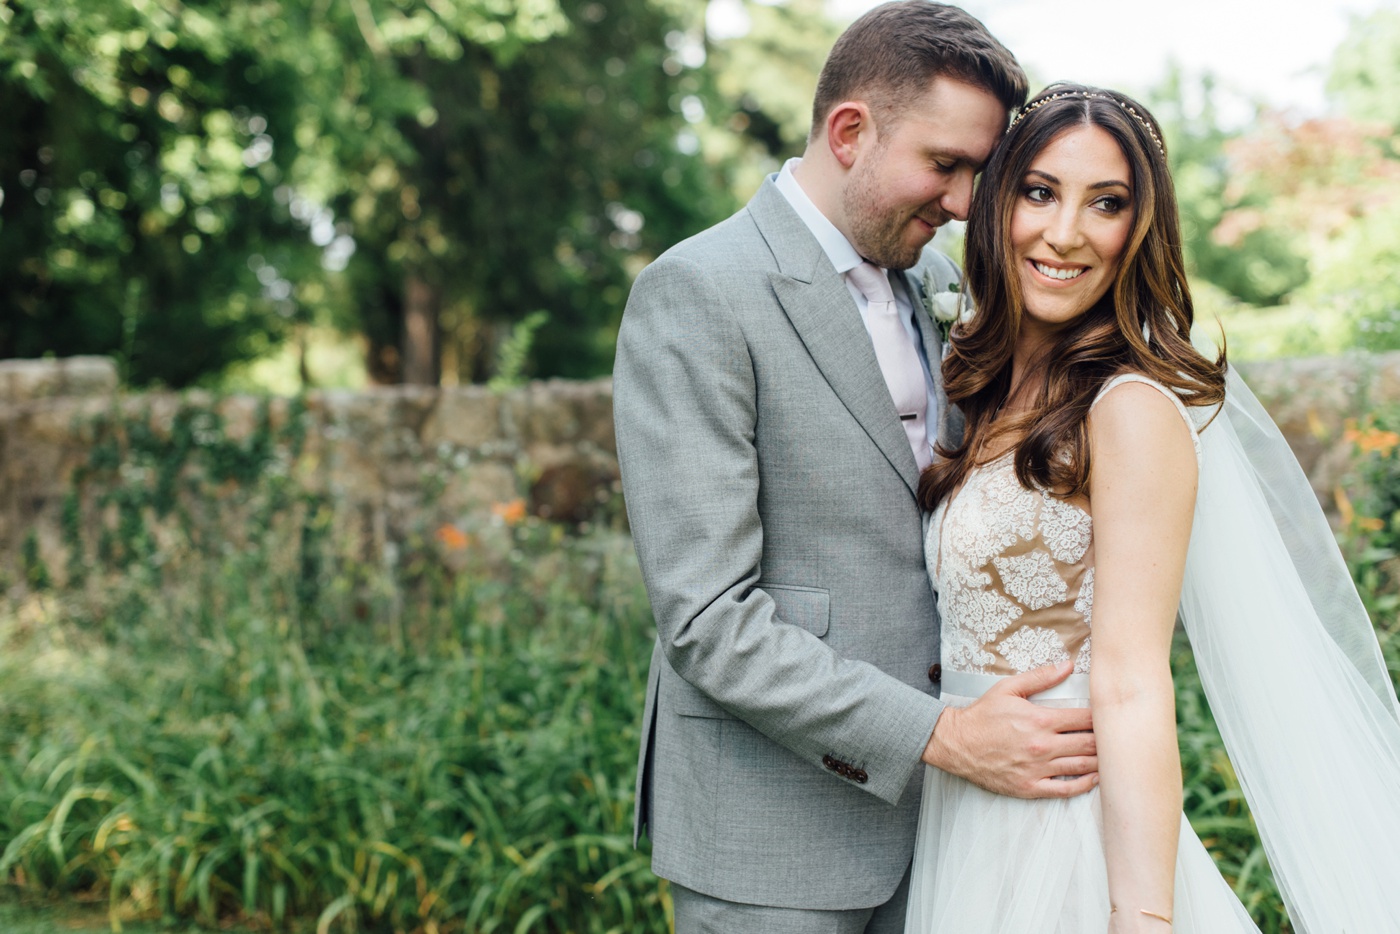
1109,478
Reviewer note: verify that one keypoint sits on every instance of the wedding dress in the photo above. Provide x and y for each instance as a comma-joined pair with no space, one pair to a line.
1288,660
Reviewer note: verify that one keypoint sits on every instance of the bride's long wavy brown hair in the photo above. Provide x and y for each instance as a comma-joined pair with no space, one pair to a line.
1142,324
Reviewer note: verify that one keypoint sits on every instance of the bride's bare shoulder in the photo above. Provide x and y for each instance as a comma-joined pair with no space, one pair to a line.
1137,419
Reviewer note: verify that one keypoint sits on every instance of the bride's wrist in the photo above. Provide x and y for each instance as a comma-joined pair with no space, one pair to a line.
1143,919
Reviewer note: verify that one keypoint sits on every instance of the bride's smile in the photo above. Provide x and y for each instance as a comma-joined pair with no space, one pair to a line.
1070,226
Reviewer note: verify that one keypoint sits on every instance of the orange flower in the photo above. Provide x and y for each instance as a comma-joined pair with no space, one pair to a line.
1349,516
510,513
1344,507
1374,440
453,537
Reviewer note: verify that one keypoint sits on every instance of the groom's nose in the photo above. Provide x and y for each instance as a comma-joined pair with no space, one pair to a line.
957,198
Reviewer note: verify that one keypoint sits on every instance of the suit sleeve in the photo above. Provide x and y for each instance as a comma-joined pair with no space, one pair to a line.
686,410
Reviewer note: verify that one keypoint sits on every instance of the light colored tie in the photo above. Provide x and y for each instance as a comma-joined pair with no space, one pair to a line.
899,361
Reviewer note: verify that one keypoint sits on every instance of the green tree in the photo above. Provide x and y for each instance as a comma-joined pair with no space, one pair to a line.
1258,265
186,182
139,178
539,179
1365,69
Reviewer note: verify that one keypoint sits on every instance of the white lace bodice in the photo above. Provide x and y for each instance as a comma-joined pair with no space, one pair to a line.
1014,569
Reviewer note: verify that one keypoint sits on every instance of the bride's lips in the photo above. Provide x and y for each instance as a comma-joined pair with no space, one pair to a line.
1070,273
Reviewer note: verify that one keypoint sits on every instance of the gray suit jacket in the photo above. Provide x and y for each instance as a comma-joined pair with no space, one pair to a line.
771,492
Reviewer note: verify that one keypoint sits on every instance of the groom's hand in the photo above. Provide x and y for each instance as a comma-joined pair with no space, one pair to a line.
1011,746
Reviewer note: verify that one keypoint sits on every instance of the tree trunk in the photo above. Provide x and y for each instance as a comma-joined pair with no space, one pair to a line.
421,302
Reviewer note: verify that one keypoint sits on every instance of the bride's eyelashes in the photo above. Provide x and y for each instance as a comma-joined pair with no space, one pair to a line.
1112,204
1037,193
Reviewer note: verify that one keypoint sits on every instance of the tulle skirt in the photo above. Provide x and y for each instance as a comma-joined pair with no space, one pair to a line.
989,864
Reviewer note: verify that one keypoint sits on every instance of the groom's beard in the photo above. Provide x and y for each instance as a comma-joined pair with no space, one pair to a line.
884,233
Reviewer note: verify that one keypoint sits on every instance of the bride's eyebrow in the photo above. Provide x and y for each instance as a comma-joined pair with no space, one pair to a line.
1110,183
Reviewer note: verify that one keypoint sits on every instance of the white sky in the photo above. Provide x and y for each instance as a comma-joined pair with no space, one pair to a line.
1271,50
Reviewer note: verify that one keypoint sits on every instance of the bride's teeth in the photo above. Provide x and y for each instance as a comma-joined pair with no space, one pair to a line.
1057,273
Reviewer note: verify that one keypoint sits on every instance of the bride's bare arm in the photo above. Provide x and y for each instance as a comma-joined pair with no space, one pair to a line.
1142,489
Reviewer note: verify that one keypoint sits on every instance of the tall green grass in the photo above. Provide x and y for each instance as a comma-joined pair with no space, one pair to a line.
283,732
457,758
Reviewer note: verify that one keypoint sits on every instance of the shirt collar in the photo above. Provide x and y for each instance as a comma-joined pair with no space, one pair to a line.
833,242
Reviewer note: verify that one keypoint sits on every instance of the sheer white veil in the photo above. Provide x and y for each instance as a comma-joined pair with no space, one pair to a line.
1294,675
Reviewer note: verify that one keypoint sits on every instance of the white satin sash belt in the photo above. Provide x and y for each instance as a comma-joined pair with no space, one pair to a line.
972,684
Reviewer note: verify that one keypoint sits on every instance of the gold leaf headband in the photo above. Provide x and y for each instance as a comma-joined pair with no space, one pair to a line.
1085,95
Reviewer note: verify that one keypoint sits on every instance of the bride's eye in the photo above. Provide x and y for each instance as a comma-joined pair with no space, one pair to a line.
1037,194
1111,204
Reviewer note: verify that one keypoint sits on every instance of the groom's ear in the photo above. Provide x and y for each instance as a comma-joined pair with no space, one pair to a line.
849,130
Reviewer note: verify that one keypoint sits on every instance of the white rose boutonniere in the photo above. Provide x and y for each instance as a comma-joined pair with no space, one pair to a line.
945,306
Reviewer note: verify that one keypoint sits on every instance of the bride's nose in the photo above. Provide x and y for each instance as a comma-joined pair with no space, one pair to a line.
1063,232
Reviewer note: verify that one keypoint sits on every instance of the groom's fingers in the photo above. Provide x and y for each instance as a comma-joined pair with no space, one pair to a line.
1070,720
1036,680
1015,747
1065,787
1070,745
1073,766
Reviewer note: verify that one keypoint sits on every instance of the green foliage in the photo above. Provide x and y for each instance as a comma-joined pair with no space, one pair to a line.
1371,519
1262,266
278,731
234,753
1214,801
36,573
770,75
184,183
514,351
140,178
1356,281
1365,69
543,181
273,728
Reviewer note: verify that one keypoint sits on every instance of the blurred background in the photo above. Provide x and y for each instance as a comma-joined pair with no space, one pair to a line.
279,195
318,608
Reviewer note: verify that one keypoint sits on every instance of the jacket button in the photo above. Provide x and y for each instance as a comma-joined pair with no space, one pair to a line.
860,776
935,672
829,762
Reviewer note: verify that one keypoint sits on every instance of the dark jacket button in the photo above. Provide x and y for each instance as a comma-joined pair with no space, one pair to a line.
829,762
935,672
860,776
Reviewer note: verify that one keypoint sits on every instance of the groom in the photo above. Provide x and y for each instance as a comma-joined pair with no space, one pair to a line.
776,394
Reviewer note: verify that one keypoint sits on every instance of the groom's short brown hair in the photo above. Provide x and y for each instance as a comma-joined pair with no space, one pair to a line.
889,56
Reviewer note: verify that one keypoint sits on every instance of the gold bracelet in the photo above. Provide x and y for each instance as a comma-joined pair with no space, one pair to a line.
1113,909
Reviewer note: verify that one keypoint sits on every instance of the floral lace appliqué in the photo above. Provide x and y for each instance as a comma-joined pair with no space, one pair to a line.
1031,579
1067,529
1084,603
1084,606
1001,558
1032,647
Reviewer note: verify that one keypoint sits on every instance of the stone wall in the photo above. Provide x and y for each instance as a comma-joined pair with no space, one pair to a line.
390,464
395,463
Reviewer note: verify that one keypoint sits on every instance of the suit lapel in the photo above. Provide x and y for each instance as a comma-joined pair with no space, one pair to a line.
829,324
821,309
928,331
949,422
